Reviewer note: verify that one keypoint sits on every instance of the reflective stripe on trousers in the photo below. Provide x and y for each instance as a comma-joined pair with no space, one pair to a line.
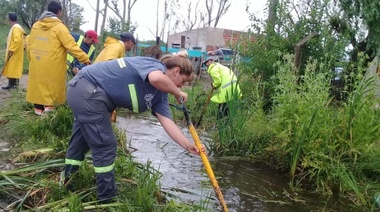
93,131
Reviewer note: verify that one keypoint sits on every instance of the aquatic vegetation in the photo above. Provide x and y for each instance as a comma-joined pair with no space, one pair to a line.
324,144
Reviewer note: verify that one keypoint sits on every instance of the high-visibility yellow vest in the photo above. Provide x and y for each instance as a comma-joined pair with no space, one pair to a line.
226,83
70,58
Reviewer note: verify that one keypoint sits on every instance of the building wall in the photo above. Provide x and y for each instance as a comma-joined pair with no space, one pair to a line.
207,37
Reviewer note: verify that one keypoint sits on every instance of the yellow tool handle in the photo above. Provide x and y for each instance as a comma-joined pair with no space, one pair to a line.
207,165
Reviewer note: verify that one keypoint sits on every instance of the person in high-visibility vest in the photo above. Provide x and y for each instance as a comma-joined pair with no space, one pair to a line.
86,43
225,84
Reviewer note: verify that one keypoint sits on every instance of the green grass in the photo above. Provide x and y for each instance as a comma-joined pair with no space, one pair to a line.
35,184
325,145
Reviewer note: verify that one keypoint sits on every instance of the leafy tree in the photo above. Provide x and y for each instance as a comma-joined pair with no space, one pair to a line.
28,11
124,15
359,21
288,24
74,16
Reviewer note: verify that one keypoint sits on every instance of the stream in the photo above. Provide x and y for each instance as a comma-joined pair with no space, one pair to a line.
246,186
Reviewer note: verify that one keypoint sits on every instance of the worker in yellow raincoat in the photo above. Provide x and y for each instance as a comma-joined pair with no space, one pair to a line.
14,55
47,49
114,48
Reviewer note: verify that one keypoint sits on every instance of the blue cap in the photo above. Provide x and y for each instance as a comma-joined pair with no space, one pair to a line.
12,16
126,36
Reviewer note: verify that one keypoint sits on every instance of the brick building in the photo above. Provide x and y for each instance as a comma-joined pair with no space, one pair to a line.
205,38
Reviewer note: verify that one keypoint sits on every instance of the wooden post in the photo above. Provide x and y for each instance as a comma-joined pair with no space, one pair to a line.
297,49
183,42
157,41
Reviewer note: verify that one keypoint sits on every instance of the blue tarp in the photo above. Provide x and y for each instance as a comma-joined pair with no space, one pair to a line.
192,53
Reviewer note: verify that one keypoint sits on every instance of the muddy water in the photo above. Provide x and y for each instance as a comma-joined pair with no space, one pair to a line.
246,186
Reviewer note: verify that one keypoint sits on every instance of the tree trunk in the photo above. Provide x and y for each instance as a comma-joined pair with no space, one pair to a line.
65,12
97,15
104,16
124,12
272,16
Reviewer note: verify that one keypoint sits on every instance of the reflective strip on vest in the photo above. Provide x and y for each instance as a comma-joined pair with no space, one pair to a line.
72,162
228,84
132,93
70,58
104,169
121,63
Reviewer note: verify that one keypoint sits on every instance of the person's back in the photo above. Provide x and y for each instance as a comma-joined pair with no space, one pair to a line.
225,83
114,48
49,41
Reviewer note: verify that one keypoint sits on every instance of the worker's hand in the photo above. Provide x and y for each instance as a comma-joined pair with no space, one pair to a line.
192,148
113,116
75,70
181,97
10,53
88,63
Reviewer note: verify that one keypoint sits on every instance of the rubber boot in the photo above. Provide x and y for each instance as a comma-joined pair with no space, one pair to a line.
15,83
9,86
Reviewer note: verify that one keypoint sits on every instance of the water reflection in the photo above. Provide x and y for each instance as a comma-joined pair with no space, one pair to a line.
246,186
182,172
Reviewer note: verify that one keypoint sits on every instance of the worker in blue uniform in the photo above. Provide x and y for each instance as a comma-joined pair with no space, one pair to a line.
135,83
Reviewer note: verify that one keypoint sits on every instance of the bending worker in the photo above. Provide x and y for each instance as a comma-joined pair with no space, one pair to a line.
224,82
136,83
114,48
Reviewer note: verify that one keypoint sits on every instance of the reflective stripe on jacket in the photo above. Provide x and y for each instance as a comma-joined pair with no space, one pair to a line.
225,82
71,59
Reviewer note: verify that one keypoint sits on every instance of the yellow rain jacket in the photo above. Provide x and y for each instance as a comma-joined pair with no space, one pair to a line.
15,43
112,49
48,44
225,82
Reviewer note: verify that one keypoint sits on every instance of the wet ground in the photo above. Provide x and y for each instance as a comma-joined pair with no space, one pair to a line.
246,186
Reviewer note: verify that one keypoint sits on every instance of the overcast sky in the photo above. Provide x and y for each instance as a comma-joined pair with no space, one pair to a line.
144,14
